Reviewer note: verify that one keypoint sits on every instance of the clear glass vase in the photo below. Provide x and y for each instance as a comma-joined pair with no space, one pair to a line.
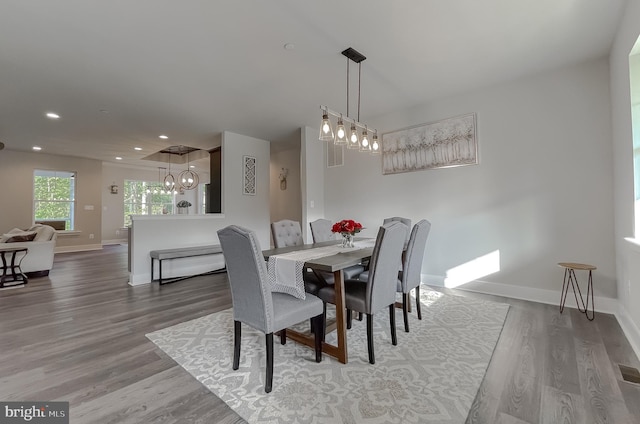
347,240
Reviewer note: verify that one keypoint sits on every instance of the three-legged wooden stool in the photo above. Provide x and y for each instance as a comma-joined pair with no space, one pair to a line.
570,278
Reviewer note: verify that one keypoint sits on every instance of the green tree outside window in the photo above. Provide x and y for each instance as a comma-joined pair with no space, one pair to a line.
54,196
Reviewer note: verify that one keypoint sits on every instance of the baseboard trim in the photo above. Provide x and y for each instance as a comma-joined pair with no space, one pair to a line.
80,248
552,297
629,328
114,241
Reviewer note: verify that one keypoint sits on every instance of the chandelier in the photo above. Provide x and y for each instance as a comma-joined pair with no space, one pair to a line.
188,179
352,139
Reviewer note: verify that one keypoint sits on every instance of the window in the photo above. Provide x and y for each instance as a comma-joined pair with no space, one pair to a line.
145,198
54,197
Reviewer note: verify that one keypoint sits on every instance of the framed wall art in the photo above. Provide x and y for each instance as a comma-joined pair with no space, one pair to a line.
442,144
249,175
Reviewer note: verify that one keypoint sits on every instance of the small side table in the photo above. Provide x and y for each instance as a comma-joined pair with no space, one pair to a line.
15,277
570,278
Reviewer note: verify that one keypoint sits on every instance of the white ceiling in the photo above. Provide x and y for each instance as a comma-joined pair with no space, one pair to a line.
193,68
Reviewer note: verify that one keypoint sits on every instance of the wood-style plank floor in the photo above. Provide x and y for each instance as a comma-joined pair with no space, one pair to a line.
78,336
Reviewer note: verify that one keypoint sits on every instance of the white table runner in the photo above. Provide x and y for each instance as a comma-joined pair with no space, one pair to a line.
285,271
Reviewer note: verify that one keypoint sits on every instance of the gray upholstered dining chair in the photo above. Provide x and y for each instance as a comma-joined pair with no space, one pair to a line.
321,230
380,290
405,221
286,233
255,304
409,277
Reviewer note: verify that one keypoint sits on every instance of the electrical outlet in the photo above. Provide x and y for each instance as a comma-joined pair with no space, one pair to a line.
90,236
117,232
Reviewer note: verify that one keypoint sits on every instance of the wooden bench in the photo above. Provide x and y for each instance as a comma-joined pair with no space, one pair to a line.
182,252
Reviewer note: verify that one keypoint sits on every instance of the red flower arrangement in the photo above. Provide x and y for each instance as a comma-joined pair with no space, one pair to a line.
346,226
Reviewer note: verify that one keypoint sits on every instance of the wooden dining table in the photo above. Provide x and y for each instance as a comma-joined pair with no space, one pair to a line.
335,263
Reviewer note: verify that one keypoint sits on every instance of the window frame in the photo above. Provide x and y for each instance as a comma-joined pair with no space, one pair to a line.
51,173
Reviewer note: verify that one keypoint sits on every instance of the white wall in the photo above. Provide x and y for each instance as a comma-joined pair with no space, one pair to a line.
169,231
313,165
541,194
627,253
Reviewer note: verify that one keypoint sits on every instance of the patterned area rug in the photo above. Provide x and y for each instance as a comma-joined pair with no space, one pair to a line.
431,376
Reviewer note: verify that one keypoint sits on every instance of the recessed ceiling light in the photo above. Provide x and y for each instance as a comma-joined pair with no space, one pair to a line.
137,148
289,46
192,166
118,158
103,111
52,115
164,137
37,148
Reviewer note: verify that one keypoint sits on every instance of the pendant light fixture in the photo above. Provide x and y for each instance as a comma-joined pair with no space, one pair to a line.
188,179
351,138
326,133
375,146
341,133
364,141
169,179
354,142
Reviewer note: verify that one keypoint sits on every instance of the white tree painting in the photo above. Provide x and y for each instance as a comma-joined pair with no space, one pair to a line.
446,143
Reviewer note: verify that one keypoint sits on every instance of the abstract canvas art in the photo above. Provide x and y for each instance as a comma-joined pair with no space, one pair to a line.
446,143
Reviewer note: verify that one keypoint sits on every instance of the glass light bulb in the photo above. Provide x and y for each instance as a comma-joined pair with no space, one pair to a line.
326,133
375,145
340,132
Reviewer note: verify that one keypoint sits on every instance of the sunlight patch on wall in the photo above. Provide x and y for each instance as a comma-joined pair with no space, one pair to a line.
473,270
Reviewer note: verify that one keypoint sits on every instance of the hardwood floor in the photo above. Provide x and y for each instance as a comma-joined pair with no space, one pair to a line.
78,336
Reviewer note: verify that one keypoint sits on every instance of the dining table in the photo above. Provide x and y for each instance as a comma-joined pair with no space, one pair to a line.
334,263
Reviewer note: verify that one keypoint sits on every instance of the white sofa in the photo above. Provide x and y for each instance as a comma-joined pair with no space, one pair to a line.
39,259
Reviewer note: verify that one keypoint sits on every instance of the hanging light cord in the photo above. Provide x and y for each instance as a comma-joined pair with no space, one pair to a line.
348,87
359,75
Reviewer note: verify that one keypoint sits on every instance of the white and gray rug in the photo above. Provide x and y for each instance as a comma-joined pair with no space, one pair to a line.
431,376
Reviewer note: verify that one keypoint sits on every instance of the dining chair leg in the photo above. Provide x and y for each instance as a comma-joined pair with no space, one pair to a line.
236,344
324,319
405,311
372,359
318,324
418,302
269,378
348,319
392,321
360,314
283,336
